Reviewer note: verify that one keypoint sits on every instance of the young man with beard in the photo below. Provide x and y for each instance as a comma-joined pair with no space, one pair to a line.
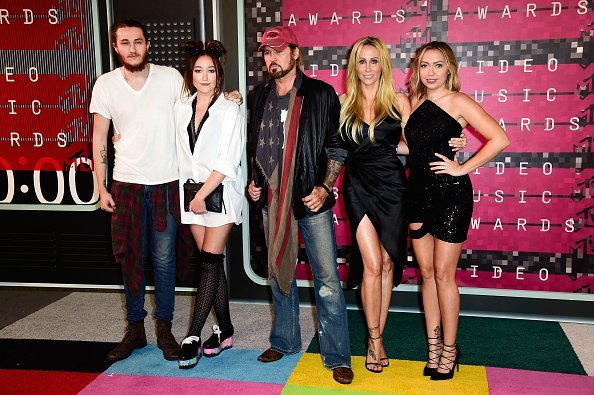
294,125
139,98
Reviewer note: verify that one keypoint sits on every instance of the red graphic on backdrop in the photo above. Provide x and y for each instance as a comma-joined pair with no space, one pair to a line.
48,65
43,25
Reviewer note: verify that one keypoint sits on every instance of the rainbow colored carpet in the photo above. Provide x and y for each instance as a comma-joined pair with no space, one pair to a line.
499,357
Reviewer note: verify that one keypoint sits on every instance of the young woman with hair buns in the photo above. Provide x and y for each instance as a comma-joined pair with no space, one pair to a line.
210,143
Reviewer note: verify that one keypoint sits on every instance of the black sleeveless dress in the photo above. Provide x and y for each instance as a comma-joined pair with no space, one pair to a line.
441,202
374,185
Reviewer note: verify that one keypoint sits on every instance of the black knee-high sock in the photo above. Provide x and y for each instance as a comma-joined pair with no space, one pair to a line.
208,285
221,305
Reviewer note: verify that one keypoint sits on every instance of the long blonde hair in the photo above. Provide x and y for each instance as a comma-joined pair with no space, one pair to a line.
352,110
417,89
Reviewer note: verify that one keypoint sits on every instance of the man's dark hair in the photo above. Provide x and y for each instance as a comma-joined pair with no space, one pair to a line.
127,23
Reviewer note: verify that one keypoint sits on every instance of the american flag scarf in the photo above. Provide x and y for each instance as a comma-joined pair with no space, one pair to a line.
282,226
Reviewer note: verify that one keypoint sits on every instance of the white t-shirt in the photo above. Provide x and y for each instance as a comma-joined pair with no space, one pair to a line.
146,152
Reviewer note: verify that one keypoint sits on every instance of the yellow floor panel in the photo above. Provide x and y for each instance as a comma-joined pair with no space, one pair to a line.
401,377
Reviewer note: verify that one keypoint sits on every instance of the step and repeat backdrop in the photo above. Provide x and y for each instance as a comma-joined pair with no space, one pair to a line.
529,64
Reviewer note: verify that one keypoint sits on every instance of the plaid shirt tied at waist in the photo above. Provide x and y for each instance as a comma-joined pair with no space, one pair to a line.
126,225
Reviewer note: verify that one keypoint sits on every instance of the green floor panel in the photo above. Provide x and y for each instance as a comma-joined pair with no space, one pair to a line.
496,342
517,344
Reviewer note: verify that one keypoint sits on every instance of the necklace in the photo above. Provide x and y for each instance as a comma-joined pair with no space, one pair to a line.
196,130
193,126
440,97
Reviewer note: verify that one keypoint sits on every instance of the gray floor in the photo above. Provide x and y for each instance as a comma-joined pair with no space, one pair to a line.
99,316
581,337
16,303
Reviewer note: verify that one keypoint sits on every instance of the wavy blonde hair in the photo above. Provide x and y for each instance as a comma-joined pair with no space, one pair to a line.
352,112
417,89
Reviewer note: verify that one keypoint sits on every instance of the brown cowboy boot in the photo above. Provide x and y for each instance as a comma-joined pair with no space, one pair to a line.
166,341
134,338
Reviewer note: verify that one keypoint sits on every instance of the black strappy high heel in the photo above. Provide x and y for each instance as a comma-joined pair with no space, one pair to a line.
371,352
435,350
455,360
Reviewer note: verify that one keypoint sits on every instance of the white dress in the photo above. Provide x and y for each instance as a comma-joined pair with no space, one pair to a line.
219,147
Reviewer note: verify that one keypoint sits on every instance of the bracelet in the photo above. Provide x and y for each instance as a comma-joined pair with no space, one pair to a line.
328,191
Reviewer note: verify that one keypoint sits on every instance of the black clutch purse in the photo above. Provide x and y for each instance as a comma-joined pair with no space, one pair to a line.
214,201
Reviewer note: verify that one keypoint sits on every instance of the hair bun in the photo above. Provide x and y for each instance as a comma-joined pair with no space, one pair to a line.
211,47
193,48
216,48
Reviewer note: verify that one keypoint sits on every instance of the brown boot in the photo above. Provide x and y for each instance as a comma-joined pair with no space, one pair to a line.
166,341
134,338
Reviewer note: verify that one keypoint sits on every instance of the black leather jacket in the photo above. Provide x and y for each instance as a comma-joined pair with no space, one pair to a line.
317,139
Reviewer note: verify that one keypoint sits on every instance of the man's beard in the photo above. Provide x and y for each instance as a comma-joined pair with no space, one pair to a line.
281,73
134,67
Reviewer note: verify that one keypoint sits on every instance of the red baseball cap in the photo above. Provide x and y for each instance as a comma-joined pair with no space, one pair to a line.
278,38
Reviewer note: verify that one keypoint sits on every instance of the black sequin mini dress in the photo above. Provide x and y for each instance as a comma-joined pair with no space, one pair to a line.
441,202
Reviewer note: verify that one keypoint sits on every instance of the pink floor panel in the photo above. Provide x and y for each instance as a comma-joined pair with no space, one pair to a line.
129,385
520,382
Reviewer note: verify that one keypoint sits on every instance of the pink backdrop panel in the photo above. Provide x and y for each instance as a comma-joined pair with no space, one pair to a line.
515,20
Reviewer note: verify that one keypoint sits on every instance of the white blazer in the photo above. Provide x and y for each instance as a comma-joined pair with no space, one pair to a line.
219,147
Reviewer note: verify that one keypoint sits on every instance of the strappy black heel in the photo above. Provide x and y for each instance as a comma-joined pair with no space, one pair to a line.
435,349
371,352
450,359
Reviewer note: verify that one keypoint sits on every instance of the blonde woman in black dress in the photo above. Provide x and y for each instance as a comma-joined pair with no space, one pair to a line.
374,185
440,192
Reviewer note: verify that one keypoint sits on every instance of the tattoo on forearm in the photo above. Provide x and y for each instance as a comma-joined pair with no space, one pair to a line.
103,154
332,173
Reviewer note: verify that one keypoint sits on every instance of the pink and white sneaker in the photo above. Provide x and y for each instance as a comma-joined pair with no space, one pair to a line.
218,342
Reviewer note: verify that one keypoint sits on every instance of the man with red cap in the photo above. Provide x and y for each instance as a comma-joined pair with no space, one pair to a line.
297,158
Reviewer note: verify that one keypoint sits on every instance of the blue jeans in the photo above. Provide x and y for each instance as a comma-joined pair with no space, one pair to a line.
162,249
333,332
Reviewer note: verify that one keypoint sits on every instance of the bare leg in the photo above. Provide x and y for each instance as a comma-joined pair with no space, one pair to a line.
446,258
198,233
387,285
215,238
423,248
375,300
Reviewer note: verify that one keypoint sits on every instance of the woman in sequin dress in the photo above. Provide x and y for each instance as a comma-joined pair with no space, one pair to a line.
440,192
